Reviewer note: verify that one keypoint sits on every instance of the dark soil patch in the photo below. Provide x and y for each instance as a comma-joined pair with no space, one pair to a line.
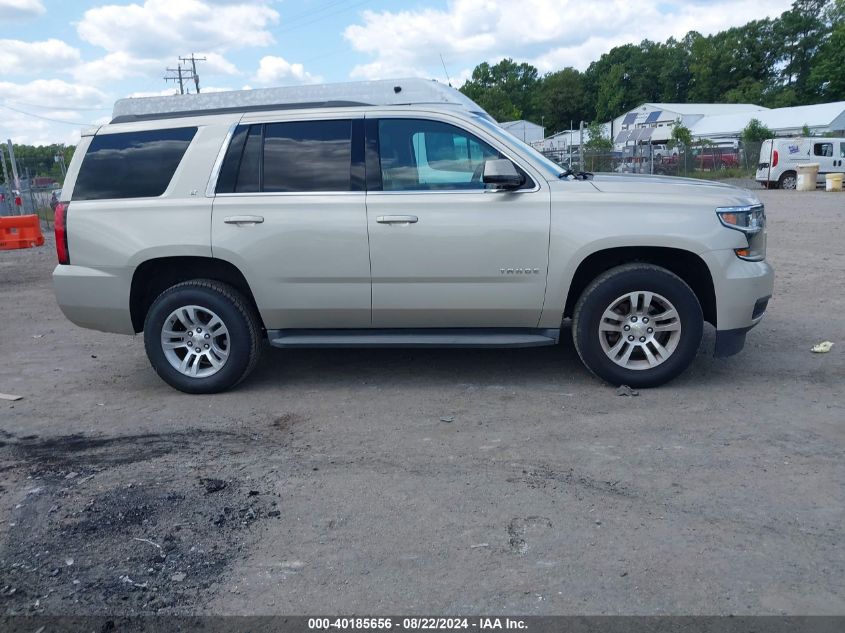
124,524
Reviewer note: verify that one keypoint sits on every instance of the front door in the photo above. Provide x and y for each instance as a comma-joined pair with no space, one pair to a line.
290,213
444,250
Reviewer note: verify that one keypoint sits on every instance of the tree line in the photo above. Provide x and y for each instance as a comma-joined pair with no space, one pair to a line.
797,58
37,160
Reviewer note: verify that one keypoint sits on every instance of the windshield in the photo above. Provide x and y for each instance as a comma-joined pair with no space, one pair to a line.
552,168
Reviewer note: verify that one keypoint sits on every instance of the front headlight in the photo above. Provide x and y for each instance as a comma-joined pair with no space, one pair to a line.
751,221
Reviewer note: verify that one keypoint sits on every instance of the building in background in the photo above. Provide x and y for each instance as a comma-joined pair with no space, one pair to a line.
525,131
823,119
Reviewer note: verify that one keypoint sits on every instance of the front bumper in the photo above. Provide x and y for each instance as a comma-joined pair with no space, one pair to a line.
743,290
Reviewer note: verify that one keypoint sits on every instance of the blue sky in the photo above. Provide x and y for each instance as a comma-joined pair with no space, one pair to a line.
64,63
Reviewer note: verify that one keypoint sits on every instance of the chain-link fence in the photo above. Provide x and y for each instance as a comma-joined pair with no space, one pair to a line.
31,198
703,160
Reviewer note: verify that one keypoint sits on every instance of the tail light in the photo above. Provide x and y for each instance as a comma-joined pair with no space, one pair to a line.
775,158
60,224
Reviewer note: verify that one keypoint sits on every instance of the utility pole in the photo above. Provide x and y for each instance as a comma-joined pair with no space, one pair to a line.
193,61
178,70
581,146
15,179
8,201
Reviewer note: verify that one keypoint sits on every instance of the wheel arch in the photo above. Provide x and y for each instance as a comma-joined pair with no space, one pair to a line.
154,276
685,264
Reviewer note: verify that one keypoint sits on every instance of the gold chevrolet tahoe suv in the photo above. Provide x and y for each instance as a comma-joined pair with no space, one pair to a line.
388,213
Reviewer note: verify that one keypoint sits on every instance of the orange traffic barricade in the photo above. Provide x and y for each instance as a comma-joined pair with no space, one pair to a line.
20,231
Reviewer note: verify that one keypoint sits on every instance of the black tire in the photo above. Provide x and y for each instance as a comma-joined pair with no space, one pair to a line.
604,291
244,334
788,180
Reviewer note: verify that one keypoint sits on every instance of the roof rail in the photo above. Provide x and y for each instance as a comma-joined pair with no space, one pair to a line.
356,93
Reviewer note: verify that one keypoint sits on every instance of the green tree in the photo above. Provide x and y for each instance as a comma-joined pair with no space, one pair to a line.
39,160
561,100
597,148
756,132
505,90
827,76
803,33
681,135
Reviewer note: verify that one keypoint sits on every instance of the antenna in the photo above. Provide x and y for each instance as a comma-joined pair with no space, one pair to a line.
444,70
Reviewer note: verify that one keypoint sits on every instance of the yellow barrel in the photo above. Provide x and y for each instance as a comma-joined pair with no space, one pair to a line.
833,182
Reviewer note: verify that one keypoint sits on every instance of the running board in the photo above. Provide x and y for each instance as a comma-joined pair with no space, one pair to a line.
422,337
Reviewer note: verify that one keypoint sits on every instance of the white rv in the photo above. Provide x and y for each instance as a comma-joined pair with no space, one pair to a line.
780,157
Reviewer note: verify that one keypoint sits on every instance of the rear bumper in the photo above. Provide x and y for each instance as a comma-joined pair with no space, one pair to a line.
94,298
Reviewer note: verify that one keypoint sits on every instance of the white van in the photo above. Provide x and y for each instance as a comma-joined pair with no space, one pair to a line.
780,157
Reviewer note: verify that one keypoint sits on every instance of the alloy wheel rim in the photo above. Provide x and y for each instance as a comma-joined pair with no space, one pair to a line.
195,341
640,330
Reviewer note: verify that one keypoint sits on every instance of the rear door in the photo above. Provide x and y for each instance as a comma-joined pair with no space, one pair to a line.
445,251
289,212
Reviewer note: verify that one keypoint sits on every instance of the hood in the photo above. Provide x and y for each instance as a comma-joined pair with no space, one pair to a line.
641,184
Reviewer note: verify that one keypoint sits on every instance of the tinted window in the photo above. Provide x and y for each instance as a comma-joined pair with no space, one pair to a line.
248,172
823,149
131,164
231,162
419,154
307,156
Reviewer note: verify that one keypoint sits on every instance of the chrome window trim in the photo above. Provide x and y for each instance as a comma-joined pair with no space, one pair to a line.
264,194
218,162
475,192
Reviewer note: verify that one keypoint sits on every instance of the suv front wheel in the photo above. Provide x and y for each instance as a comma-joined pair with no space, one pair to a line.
638,325
202,336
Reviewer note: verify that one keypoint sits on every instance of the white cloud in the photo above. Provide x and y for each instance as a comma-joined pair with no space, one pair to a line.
273,70
21,9
19,57
54,93
576,33
216,64
117,66
164,28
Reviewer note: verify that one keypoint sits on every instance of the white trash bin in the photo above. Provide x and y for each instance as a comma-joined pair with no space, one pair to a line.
807,174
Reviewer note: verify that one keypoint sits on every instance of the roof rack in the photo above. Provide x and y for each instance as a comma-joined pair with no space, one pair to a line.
355,93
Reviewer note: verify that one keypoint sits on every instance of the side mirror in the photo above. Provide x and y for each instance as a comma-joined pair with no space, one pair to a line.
502,173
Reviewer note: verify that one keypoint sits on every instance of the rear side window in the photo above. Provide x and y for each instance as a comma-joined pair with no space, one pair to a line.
296,156
308,156
131,164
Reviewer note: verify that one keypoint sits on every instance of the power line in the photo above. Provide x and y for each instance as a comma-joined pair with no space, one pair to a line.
298,17
322,17
45,118
55,107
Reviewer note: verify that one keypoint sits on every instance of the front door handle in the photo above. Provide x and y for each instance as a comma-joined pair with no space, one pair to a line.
244,219
397,219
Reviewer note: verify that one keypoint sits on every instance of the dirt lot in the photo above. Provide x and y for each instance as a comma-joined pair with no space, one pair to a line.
431,481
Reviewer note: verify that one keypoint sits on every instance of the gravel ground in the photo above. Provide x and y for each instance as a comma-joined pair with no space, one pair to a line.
399,481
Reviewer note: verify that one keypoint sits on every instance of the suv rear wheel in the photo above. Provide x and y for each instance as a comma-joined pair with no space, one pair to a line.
638,325
202,336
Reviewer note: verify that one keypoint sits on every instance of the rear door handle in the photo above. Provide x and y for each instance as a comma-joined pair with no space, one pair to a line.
244,219
397,219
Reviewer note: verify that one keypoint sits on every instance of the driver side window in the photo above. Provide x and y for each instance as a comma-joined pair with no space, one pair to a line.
418,154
